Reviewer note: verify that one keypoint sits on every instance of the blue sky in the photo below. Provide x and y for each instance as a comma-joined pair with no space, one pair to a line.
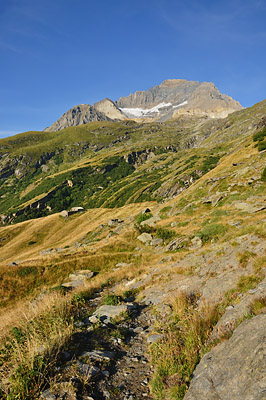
55,54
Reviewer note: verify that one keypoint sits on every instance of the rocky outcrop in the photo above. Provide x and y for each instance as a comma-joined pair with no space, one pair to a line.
108,108
235,369
78,115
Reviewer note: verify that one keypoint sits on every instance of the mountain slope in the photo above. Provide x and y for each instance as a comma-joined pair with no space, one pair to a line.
113,163
190,268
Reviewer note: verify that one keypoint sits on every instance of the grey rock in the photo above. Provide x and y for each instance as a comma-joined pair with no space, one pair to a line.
47,395
151,221
73,284
154,338
79,324
156,242
145,237
87,370
118,265
250,207
234,369
114,222
196,243
81,275
213,200
99,355
176,244
108,312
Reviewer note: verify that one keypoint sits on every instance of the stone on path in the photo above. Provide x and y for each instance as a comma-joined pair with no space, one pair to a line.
106,312
88,370
99,355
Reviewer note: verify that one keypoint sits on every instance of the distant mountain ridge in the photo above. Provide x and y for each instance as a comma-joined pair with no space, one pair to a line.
160,103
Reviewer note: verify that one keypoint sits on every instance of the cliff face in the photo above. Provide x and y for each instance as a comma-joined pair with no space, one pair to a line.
177,96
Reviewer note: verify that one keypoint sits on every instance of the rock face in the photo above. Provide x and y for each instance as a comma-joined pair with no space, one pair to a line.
108,108
235,369
78,115
178,96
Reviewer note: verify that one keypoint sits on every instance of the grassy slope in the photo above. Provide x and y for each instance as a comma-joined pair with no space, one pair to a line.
190,215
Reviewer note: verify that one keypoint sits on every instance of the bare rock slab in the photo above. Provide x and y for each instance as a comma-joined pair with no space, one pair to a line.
235,369
73,284
145,237
87,370
106,312
99,355
82,274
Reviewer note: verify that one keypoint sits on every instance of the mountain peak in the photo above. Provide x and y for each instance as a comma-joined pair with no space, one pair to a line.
160,103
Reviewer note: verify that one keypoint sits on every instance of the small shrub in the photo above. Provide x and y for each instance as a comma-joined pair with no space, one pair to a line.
259,136
263,175
144,228
31,242
25,271
143,217
165,234
262,146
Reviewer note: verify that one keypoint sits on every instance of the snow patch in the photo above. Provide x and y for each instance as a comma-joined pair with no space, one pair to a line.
181,104
141,112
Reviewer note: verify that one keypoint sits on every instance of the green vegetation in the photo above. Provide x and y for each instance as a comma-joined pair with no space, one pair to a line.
263,175
112,300
181,348
211,231
143,217
209,163
245,257
165,234
260,139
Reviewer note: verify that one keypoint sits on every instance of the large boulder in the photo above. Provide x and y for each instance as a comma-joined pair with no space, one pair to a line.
145,237
234,369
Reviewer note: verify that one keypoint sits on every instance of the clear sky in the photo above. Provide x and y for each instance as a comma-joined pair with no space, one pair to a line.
55,54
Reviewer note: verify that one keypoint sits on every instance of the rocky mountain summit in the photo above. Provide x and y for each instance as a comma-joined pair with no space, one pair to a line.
160,103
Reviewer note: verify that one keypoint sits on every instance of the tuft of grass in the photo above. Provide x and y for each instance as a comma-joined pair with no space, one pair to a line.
29,351
211,231
258,305
246,283
245,257
112,300
177,354
165,234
